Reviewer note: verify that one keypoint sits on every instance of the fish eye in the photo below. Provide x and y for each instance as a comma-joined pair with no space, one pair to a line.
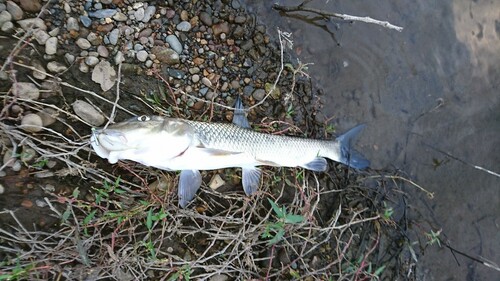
143,118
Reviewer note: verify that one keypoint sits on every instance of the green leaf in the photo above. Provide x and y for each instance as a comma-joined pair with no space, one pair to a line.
279,235
149,219
379,270
293,218
279,212
120,191
75,193
66,214
89,217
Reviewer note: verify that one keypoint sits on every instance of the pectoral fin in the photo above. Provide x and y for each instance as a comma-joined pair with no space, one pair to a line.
189,183
251,180
239,117
319,164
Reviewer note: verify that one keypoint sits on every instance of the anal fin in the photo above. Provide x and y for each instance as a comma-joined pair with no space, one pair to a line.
250,180
189,183
319,164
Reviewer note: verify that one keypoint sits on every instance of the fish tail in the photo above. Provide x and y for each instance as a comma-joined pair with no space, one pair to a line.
348,155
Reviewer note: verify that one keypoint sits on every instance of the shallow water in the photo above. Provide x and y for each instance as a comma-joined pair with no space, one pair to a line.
436,84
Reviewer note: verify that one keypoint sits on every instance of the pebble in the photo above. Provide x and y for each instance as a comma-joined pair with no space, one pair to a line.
94,39
51,46
142,56
120,17
259,94
27,24
72,24
5,17
91,61
183,26
83,43
206,18
219,28
148,13
15,11
174,43
40,72
48,116
113,36
28,154
119,57
31,123
32,6
26,203
103,51
41,36
206,82
216,182
139,14
85,20
219,277
166,55
84,68
88,113
240,19
195,78
7,27
56,67
104,13
27,90
8,158
105,75
69,58
2,189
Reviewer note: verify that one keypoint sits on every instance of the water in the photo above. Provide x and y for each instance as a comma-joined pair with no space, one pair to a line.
436,84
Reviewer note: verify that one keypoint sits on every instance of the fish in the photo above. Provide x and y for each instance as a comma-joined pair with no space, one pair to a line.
175,144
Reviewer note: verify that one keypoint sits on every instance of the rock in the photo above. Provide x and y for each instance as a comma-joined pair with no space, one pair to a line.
48,116
206,18
174,43
32,6
216,182
119,57
148,13
5,17
72,24
103,51
120,17
83,67
240,19
83,43
219,277
9,158
142,56
27,154
56,67
113,36
31,123
94,39
195,78
26,90
259,94
206,82
102,14
88,113
85,20
70,58
51,46
41,36
139,14
184,26
7,27
165,55
40,72
219,28
104,74
15,11
35,23
91,61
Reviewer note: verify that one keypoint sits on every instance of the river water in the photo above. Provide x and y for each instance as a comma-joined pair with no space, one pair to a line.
435,85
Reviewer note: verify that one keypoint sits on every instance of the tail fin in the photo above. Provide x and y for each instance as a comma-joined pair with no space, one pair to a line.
348,155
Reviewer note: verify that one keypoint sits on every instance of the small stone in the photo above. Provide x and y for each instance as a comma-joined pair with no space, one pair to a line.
113,36
31,123
142,56
195,78
5,17
104,74
216,182
26,203
54,32
184,15
219,28
88,113
219,62
32,6
7,27
34,23
149,63
56,67
2,189
15,11
27,154
206,18
9,158
102,14
174,43
85,20
120,17
91,61
84,68
139,14
70,58
48,116
184,26
240,19
41,36
40,72
119,57
166,55
72,24
94,39
26,90
148,13
51,46
103,51
219,277
235,84
206,82
83,43
259,94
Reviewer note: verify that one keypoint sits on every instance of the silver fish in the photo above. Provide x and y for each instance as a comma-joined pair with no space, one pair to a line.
189,146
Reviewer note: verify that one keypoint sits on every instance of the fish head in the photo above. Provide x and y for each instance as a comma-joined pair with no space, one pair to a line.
145,139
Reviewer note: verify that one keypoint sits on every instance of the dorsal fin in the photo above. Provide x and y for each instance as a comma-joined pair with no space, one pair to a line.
239,117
